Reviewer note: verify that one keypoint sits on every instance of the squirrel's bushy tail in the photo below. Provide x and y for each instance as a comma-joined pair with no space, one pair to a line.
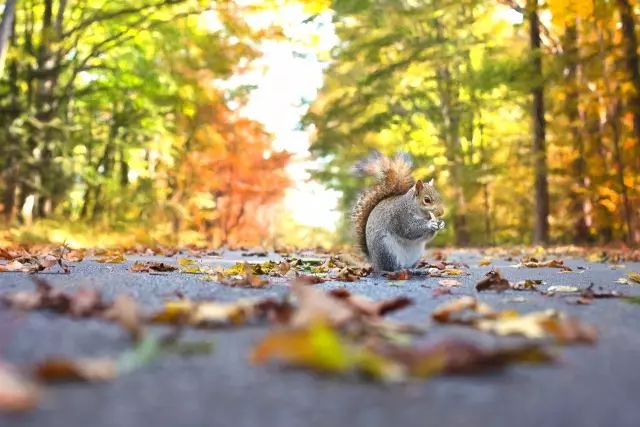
393,179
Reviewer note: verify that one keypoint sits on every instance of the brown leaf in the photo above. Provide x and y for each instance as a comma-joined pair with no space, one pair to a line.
634,276
245,279
449,283
17,394
441,291
148,266
526,285
15,266
493,281
66,370
115,258
456,356
540,324
204,313
464,310
399,275
124,311
554,263
309,279
85,302
315,305
5,254
368,307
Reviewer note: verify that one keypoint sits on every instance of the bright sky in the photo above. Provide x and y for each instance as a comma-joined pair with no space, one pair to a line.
289,71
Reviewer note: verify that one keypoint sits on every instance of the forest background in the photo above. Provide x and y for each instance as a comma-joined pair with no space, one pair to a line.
131,119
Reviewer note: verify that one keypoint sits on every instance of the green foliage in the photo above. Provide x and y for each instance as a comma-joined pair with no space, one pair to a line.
449,82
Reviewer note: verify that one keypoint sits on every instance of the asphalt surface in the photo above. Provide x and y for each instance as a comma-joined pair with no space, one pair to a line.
596,385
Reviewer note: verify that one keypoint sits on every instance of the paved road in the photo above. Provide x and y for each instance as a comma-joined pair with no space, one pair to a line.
591,386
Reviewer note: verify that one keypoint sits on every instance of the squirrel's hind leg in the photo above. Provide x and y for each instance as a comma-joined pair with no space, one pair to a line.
383,257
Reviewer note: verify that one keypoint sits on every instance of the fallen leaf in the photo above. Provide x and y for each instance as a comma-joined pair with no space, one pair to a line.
456,356
309,279
484,262
124,311
493,281
449,283
538,325
464,310
441,291
185,262
244,278
65,370
526,285
83,302
634,276
368,307
315,305
116,258
204,313
148,266
17,394
561,289
14,266
554,263
398,275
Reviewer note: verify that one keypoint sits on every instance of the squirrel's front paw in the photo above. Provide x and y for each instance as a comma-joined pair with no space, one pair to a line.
440,224
433,225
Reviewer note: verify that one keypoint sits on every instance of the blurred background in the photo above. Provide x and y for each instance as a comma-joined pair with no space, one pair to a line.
237,122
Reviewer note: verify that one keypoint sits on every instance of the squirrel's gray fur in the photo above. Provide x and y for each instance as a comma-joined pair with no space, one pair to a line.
394,228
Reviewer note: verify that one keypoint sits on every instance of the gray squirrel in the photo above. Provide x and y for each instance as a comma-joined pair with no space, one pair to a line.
396,217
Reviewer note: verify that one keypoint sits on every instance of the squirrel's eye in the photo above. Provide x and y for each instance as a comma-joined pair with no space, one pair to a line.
427,200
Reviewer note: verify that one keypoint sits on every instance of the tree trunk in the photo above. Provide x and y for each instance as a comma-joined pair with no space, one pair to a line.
5,30
541,230
632,61
578,190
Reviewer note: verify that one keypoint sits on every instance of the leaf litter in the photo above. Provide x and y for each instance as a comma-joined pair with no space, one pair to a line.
334,331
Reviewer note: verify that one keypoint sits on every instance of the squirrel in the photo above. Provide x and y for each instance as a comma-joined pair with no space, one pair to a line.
397,217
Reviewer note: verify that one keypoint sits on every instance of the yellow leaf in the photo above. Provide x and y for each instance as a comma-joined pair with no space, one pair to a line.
634,276
112,259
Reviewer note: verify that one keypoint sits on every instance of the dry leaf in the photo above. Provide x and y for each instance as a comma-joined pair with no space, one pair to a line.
83,302
561,289
540,324
493,281
526,285
14,266
484,262
398,275
441,291
456,356
148,266
315,306
634,276
463,310
449,283
204,313
554,263
117,258
17,394
368,307
309,279
64,370
124,311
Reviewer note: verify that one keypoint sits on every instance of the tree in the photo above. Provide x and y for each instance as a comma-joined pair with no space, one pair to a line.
5,29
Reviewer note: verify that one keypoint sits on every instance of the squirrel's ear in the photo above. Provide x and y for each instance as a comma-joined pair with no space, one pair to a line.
419,186
430,183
